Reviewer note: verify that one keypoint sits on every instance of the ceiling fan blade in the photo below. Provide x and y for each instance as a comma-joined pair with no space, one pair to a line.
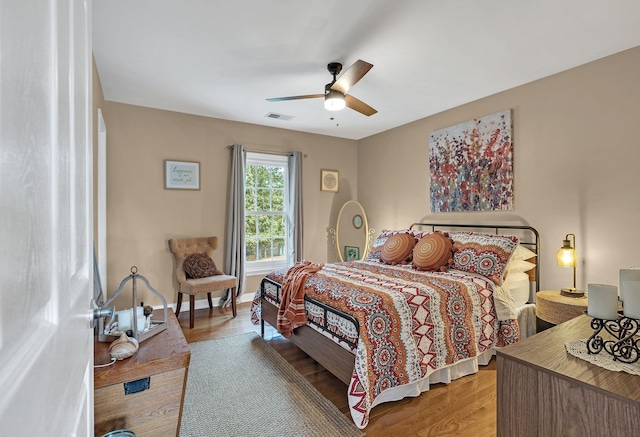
309,96
359,105
350,77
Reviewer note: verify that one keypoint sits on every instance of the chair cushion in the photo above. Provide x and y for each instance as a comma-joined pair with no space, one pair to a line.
199,265
208,284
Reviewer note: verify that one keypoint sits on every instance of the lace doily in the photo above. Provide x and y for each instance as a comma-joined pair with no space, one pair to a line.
578,348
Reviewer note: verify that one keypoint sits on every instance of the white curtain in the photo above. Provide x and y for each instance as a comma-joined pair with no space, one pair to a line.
234,241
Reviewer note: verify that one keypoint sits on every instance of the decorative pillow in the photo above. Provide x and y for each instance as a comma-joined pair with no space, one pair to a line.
397,249
433,252
199,265
522,254
486,255
376,248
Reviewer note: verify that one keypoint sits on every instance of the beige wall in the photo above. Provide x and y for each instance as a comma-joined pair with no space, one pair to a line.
142,215
576,153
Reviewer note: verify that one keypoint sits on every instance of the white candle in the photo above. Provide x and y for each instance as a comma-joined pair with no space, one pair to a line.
631,306
141,322
632,274
124,320
603,301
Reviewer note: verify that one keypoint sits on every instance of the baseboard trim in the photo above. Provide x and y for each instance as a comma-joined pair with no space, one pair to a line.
204,303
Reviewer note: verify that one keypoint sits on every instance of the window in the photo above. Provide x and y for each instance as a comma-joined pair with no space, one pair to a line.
266,212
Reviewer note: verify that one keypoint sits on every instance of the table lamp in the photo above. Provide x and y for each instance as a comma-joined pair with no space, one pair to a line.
567,258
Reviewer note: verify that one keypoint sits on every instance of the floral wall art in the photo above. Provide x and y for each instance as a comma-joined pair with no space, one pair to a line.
471,165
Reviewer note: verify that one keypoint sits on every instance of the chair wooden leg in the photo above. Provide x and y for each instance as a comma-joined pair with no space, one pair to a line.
178,304
210,301
192,309
233,301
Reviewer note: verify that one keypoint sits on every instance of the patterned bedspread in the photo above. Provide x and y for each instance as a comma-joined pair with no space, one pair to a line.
412,323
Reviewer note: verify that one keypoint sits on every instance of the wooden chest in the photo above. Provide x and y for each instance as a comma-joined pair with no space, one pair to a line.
143,393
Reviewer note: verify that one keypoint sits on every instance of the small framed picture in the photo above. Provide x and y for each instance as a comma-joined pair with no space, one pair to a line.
329,180
357,221
351,253
181,175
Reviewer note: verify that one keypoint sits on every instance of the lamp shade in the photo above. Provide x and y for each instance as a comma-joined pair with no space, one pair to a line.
567,256
567,253
334,100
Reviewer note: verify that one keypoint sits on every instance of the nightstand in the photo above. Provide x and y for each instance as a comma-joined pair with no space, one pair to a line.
552,308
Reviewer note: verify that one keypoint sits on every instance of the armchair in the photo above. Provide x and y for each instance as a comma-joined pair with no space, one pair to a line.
181,249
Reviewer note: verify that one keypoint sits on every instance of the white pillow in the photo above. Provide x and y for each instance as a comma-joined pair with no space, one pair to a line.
518,286
517,277
522,253
519,266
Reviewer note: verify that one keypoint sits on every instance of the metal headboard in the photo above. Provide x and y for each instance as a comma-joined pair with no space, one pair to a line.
532,240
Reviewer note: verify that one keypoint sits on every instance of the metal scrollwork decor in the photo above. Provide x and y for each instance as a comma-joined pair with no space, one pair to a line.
624,347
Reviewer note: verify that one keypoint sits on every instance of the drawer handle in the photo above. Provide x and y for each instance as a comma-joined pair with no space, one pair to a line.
137,386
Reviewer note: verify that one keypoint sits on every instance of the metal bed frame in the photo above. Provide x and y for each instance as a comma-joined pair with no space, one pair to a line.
326,309
335,358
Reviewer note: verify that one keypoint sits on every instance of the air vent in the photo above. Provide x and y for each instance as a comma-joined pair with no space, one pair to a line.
279,116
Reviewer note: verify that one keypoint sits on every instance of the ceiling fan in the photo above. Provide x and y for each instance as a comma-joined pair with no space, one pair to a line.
335,93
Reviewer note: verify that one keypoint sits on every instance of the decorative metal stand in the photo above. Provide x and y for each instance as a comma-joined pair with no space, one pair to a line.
625,347
156,326
368,243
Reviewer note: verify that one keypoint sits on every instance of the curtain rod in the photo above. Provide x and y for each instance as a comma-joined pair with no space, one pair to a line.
264,151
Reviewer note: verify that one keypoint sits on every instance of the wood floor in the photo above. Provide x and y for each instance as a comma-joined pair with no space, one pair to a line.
466,407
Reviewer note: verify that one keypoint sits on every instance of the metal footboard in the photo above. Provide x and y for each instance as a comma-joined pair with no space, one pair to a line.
325,308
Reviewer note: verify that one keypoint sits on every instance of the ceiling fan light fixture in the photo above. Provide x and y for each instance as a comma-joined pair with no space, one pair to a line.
334,100
335,93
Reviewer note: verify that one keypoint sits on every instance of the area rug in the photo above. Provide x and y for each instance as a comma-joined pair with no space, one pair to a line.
241,386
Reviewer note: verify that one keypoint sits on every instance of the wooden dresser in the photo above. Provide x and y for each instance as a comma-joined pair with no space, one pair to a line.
544,391
155,378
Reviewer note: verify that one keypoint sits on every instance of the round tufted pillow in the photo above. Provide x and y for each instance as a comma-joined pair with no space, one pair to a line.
199,265
397,249
432,252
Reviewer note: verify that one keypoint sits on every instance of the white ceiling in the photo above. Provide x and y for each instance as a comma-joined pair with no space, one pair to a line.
222,59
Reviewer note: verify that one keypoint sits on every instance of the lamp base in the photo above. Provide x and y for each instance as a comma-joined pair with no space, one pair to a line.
571,292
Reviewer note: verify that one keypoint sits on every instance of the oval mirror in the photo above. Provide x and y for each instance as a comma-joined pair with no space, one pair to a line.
352,236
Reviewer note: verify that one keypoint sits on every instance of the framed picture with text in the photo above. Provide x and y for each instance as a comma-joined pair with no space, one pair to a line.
329,180
181,175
